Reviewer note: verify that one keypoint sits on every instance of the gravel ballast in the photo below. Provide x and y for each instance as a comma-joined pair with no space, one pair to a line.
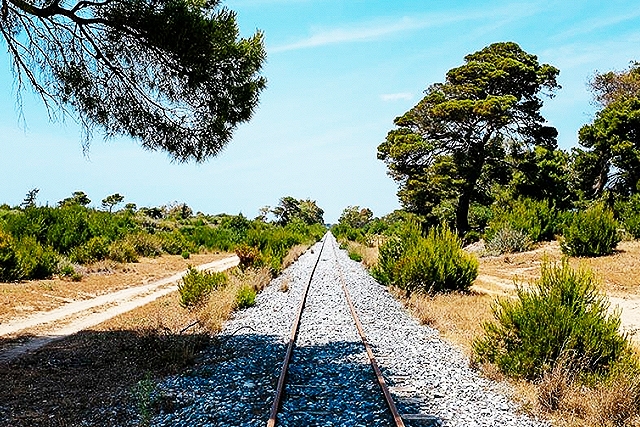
330,382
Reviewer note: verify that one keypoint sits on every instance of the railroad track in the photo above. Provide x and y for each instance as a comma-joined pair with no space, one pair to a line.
310,399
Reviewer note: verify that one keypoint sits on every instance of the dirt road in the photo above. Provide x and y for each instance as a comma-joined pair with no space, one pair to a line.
44,327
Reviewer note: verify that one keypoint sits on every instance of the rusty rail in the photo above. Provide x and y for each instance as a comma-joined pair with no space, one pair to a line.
292,339
372,360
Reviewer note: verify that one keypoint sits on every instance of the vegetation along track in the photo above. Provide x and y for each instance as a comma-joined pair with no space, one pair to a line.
317,385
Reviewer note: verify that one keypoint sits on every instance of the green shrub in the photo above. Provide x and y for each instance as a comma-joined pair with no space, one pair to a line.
186,255
562,317
145,244
507,240
175,243
630,216
196,285
34,260
96,249
246,297
8,260
428,264
122,251
593,232
539,219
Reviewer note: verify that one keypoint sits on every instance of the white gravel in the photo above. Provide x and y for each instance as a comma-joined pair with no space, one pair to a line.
330,382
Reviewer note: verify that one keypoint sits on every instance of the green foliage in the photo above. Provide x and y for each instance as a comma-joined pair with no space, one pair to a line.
355,217
630,215
290,209
84,235
175,75
455,138
430,264
355,256
539,173
196,285
176,243
122,251
110,201
246,297
346,232
593,232
8,259
95,249
561,317
507,240
538,219
145,244
34,260
611,160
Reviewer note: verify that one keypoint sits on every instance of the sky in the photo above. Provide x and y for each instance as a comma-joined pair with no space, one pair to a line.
338,73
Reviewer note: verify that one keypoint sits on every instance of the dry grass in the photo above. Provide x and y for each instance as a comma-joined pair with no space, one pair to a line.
369,254
293,254
458,316
619,272
69,382
222,302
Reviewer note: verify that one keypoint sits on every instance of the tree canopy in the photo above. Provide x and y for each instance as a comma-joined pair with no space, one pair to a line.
290,209
174,74
443,146
610,157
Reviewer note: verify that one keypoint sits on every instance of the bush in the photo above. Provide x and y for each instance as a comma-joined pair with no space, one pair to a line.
539,219
630,216
122,251
96,249
8,259
428,264
35,261
247,255
593,232
175,243
246,297
562,317
145,244
355,256
507,240
196,285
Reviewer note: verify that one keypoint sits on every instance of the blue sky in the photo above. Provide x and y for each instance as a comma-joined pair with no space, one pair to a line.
338,73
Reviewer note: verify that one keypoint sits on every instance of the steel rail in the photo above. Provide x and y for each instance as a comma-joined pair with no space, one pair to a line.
372,360
292,339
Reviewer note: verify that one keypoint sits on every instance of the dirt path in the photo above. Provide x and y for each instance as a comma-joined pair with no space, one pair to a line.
45,327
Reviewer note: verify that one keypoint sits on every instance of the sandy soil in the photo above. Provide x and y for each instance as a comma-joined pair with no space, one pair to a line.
619,276
22,334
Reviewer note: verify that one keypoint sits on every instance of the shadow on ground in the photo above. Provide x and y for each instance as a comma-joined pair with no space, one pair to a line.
115,378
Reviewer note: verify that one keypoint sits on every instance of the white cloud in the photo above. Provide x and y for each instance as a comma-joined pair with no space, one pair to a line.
396,96
374,30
